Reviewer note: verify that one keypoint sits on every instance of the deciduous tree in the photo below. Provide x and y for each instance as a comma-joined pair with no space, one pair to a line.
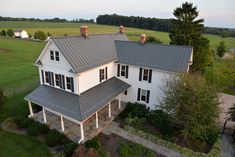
40,35
221,49
193,103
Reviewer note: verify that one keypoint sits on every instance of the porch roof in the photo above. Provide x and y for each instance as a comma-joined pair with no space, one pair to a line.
81,106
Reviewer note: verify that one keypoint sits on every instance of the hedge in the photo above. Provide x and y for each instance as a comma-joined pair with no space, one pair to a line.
215,151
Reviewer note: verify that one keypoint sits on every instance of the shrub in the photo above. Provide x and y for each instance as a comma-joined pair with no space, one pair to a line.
10,32
2,99
124,150
69,148
54,138
3,33
26,123
94,143
136,122
211,135
40,35
37,128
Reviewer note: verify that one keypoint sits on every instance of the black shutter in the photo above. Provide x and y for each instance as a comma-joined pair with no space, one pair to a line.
150,75
52,78
42,75
60,80
63,84
106,73
72,84
138,95
127,69
148,94
118,70
140,74
100,75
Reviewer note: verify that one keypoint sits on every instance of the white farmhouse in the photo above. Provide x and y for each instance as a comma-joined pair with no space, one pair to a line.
21,34
87,79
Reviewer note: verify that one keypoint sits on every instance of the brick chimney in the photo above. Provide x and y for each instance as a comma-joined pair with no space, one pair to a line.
142,38
84,30
121,29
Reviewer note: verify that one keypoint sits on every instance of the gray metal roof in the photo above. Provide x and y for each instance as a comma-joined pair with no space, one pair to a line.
75,106
157,56
84,53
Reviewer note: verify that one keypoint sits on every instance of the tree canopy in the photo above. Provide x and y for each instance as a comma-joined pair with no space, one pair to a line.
40,35
187,30
193,103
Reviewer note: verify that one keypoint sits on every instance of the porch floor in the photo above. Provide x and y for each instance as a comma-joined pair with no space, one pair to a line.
72,129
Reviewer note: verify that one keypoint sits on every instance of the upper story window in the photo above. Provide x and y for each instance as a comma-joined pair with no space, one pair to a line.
52,55
103,74
68,83
57,56
145,74
123,70
57,80
47,77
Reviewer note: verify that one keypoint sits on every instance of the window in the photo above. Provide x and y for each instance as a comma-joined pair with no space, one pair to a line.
57,56
52,55
123,70
103,74
57,80
143,95
146,74
125,93
68,83
47,77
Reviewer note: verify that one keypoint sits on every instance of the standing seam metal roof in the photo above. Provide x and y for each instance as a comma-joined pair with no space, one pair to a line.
75,106
84,53
156,56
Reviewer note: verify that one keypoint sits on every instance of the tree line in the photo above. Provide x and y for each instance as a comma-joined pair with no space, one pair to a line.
56,19
156,24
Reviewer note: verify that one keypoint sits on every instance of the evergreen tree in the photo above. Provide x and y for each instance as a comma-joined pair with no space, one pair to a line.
3,33
187,30
221,49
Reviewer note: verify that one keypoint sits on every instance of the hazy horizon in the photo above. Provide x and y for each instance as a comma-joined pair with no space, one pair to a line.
216,13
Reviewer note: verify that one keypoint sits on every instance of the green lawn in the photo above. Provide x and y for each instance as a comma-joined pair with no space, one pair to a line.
12,145
61,28
16,64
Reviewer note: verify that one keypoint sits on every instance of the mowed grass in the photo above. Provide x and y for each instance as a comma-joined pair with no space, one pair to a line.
62,28
12,145
16,64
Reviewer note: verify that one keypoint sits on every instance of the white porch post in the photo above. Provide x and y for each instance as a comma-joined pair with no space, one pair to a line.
119,102
62,123
30,109
109,110
44,115
82,131
97,120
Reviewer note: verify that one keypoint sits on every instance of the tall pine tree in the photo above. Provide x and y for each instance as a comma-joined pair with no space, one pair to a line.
187,30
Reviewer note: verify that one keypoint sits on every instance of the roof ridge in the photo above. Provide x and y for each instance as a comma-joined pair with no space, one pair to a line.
71,36
150,43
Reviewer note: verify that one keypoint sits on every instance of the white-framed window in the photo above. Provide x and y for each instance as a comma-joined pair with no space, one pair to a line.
146,74
143,95
68,83
103,74
47,77
123,70
52,55
57,80
57,56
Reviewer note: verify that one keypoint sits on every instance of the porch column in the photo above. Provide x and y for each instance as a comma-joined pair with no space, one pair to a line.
96,120
62,123
30,109
44,115
109,109
119,102
82,131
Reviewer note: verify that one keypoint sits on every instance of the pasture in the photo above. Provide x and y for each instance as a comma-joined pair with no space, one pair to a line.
62,28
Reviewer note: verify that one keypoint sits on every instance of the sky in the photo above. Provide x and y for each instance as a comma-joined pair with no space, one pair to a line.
216,13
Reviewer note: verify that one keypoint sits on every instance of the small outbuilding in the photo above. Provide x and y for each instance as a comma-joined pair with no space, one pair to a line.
21,34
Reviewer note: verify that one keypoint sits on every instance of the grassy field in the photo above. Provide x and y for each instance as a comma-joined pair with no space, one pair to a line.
58,29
